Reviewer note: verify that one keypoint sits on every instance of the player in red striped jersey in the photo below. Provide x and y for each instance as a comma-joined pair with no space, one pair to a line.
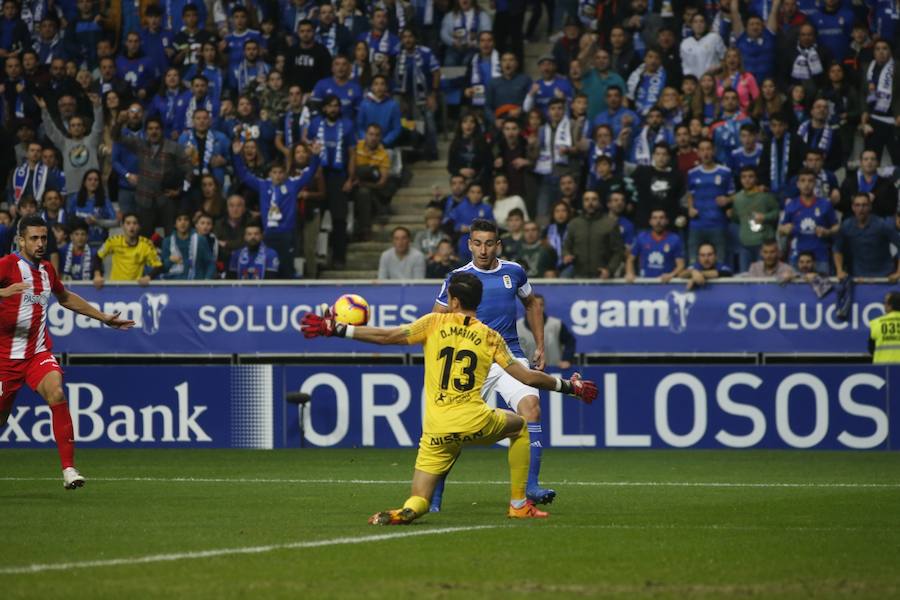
26,282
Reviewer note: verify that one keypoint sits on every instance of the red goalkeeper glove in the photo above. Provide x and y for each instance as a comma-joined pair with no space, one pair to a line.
580,388
312,325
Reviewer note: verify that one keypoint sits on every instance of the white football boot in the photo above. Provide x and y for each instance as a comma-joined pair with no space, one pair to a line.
72,479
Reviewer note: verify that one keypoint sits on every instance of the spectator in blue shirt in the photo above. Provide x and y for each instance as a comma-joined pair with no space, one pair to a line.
417,76
833,24
255,260
810,222
710,187
658,252
247,75
157,42
863,245
234,41
378,108
341,85
749,153
549,86
706,267
136,68
278,202
616,116
465,212
91,204
757,42
124,161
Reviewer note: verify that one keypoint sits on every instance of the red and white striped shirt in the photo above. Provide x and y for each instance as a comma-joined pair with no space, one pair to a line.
23,317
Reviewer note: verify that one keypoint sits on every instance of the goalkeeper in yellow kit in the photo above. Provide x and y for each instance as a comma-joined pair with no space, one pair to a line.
459,351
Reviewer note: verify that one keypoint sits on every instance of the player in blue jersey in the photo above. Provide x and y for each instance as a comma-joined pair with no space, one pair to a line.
505,284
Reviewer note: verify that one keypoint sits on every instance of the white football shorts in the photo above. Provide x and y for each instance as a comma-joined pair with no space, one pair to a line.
510,389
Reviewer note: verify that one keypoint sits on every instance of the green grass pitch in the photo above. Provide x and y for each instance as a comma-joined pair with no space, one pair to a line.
291,524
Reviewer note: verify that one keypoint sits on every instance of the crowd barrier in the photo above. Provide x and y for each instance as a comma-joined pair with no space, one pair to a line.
800,407
726,317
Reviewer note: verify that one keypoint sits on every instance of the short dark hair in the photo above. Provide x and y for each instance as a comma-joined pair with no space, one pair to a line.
484,225
750,168
556,101
516,212
131,214
710,244
33,221
805,171
892,299
78,225
403,229
466,288
770,242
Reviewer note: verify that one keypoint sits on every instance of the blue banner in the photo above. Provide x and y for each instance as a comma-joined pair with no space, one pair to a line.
796,407
250,319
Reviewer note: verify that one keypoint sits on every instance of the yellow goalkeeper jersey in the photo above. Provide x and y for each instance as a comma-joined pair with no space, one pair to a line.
459,351
128,261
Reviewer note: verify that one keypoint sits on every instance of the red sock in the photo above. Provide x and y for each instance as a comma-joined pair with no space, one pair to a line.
64,434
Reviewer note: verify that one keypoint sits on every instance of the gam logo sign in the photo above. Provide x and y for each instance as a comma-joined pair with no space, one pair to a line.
671,312
146,312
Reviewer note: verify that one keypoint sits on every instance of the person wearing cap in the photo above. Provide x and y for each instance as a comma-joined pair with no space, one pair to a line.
884,332
505,94
548,87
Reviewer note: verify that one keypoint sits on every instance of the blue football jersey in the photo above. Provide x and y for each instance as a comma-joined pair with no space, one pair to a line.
656,255
503,285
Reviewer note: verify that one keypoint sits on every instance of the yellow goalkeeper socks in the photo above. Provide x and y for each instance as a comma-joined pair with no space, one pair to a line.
519,457
418,504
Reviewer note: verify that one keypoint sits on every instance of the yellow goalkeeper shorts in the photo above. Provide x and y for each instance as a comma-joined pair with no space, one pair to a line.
438,451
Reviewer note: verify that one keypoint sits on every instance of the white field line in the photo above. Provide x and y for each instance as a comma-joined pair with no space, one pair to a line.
687,484
156,558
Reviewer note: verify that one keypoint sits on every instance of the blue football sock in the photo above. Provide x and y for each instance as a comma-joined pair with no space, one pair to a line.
536,438
438,494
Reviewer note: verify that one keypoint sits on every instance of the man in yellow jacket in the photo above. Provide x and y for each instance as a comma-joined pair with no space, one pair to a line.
884,339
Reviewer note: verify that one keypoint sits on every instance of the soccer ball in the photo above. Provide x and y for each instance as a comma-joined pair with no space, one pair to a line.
351,309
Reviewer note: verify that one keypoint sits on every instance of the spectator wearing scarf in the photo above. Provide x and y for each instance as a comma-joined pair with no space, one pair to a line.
646,83
78,261
882,93
418,76
185,255
30,178
337,137
806,62
245,77
555,143
484,66
255,260
653,133
459,31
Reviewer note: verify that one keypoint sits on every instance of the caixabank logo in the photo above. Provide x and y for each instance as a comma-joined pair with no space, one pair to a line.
672,311
146,312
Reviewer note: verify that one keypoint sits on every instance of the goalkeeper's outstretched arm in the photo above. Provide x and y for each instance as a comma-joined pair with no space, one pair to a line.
576,386
313,325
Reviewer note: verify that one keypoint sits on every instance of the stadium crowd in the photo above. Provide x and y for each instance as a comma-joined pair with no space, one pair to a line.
668,138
